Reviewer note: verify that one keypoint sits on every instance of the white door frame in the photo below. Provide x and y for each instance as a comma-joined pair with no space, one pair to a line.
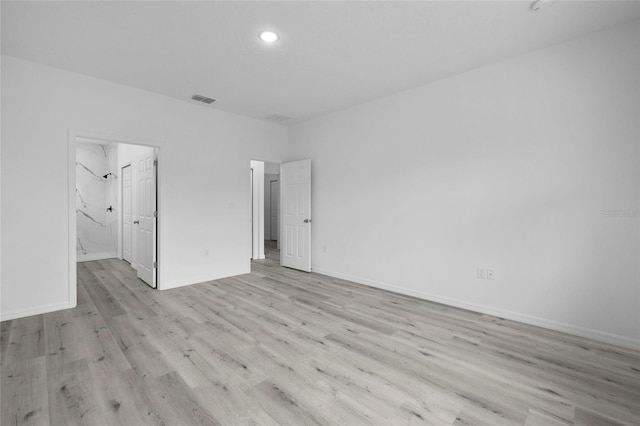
251,214
257,209
74,136
249,236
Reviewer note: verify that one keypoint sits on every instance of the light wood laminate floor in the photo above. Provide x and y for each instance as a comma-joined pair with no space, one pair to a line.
281,347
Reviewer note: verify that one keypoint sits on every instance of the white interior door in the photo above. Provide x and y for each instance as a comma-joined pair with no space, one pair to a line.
273,205
146,202
127,205
295,192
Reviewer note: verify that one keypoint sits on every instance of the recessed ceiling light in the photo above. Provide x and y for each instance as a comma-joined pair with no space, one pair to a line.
268,36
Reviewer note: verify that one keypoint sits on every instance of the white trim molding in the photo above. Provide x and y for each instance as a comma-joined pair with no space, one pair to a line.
574,330
201,279
95,256
11,315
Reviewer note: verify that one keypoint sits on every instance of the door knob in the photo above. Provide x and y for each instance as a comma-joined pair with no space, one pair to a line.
135,222
307,221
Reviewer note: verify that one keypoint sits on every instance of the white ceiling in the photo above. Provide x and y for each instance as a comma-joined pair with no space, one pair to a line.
331,55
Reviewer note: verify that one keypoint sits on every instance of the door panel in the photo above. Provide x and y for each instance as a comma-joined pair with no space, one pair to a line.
295,192
146,242
288,247
127,193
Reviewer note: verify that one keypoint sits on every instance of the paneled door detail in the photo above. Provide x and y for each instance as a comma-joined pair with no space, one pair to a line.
295,192
146,202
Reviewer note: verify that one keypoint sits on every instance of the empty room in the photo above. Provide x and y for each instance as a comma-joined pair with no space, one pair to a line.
320,213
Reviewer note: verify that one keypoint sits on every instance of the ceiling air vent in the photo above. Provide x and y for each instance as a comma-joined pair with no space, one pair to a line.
278,118
204,99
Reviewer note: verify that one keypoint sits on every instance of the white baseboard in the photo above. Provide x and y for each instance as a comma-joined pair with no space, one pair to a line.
95,256
201,279
11,315
575,330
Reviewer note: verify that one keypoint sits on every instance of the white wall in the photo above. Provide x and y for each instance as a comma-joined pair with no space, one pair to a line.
203,196
510,166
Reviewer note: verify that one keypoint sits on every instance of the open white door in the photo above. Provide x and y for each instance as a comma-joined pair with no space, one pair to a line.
295,194
146,201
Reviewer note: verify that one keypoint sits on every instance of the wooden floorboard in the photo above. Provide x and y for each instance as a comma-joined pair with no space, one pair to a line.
282,347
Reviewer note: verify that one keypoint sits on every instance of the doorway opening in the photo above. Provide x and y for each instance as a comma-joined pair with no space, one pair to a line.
265,209
115,204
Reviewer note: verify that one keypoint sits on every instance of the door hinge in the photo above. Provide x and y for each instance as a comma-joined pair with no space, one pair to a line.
155,162
155,264
155,213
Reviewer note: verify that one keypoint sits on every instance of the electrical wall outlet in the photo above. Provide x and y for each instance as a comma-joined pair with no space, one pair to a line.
481,273
485,273
324,249
206,252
